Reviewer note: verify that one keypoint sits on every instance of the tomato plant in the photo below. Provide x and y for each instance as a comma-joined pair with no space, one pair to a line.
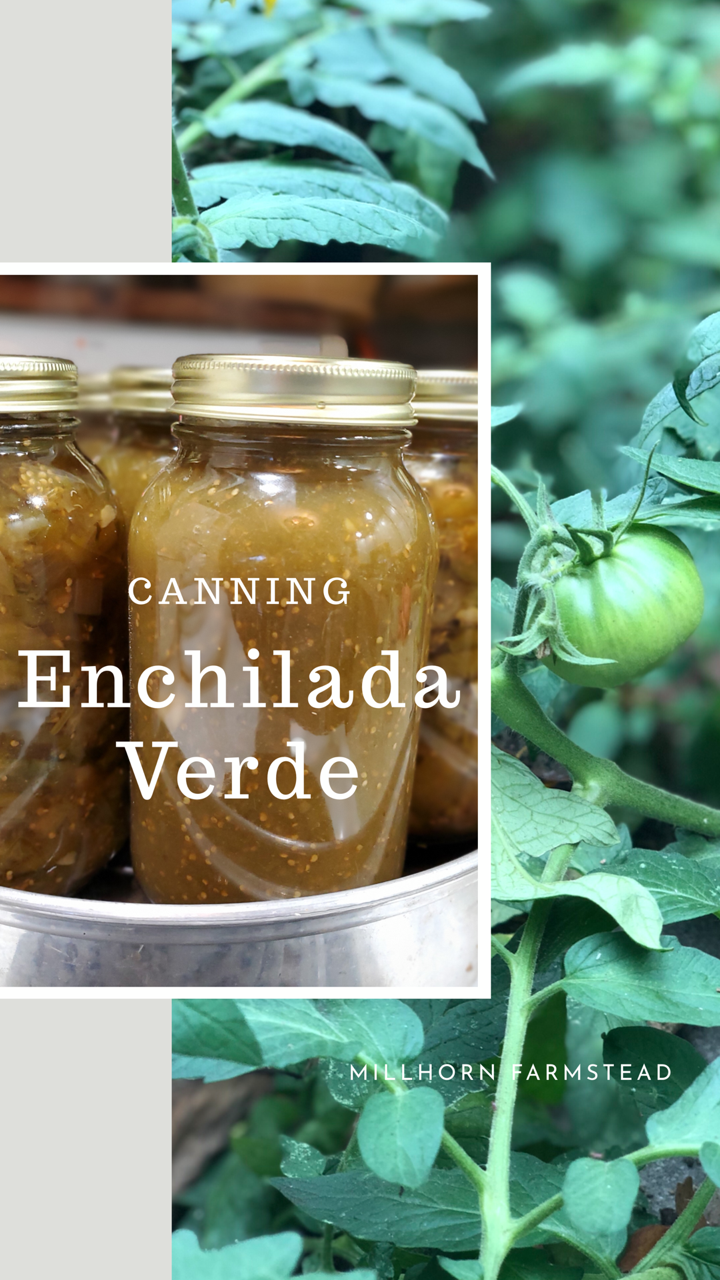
309,122
411,1175
606,590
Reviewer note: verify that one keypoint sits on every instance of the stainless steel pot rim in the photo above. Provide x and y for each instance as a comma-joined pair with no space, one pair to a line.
140,923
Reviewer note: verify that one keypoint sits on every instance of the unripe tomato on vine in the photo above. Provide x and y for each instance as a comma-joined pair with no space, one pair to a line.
599,605
633,606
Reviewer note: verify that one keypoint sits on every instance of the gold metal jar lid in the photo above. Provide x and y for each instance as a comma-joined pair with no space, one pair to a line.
134,389
303,389
37,384
93,392
447,393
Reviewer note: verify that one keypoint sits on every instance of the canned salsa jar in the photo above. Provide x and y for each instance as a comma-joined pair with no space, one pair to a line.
94,432
285,538
443,460
63,782
143,414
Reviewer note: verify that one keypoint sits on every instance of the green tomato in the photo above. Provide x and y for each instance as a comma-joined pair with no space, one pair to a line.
635,605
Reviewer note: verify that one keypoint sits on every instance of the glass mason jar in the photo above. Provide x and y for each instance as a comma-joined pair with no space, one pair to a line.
63,781
143,415
443,460
288,496
95,430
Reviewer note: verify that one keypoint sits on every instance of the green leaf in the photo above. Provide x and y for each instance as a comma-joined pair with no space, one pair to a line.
500,414
531,1183
388,1031
399,1134
428,1011
545,1047
469,1120
213,40
411,61
229,1202
643,1049
690,237
599,1195
698,1258
289,1031
568,922
577,510
691,472
300,1160
710,1160
702,395
350,50
213,182
192,242
468,1032
462,1268
681,889
264,1258
705,339
528,1264
349,1091
361,1273
212,1041
260,1155
603,1119
611,973
657,1273
402,109
540,819
679,386
261,121
702,512
632,905
578,210
571,65
442,1214
700,851
235,1204
418,161
663,1273
695,1117
268,218
422,13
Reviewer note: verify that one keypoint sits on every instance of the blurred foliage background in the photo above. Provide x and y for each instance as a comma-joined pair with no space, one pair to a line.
604,232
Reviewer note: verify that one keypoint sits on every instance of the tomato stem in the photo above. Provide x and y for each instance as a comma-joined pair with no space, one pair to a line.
598,780
500,1229
681,1229
267,72
181,193
503,482
629,518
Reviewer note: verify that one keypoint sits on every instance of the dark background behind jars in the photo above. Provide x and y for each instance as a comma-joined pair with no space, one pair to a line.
426,320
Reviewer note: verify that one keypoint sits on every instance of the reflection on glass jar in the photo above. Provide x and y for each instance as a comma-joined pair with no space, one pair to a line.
143,415
289,498
443,459
95,431
63,801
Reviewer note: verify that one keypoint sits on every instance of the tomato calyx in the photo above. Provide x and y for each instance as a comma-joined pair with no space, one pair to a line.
551,552
554,550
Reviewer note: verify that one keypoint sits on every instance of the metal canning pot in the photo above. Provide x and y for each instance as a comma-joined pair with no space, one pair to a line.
418,931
